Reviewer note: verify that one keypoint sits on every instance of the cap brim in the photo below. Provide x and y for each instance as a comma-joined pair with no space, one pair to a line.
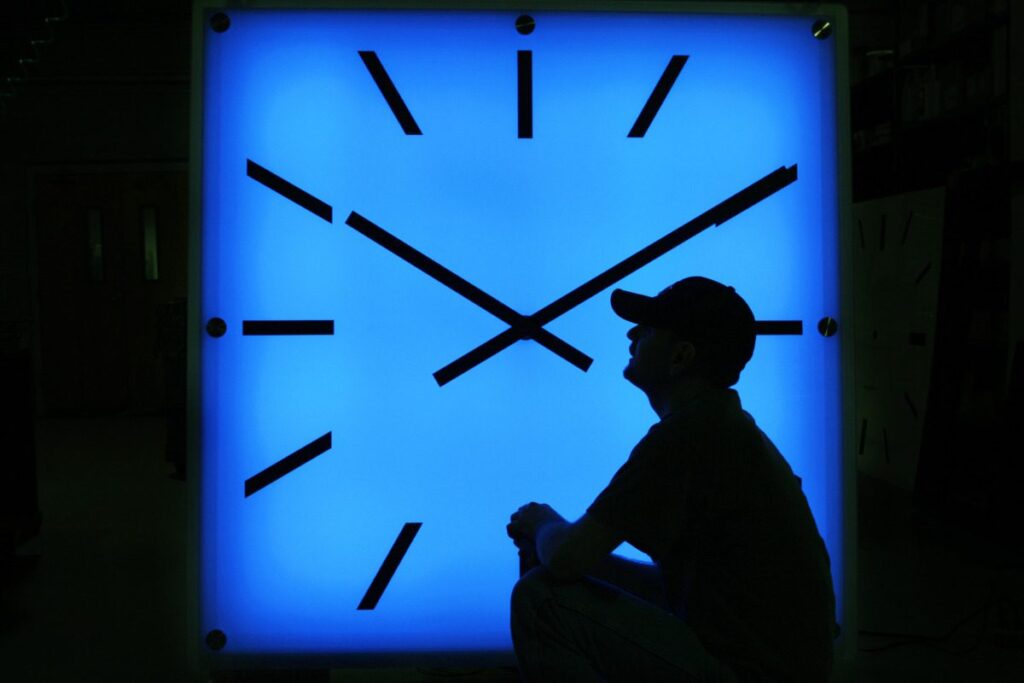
636,308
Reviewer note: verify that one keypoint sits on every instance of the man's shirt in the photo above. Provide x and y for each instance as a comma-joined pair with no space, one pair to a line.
709,497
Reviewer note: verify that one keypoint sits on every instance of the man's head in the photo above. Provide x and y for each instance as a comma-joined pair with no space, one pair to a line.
695,329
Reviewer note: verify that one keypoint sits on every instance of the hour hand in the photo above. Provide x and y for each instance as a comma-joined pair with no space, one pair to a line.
520,326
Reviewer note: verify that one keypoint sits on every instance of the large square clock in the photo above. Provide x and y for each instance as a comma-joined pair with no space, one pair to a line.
406,223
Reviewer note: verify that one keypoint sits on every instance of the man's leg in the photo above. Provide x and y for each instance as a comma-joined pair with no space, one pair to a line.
589,630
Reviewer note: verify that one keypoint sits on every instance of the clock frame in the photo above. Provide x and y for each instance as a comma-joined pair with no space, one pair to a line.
530,306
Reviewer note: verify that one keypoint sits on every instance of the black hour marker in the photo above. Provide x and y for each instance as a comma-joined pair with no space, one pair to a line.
288,191
863,435
272,327
287,464
525,64
387,569
390,92
657,98
779,327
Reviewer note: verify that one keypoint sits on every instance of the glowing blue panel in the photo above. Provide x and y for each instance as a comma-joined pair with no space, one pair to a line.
328,444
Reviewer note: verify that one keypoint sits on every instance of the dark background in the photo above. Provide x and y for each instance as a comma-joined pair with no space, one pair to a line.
94,131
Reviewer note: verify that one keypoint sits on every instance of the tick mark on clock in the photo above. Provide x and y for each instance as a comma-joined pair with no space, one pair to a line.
288,191
525,70
390,92
297,327
287,464
657,98
779,327
387,569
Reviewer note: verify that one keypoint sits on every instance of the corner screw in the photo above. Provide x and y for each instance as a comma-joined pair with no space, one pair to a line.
220,22
216,639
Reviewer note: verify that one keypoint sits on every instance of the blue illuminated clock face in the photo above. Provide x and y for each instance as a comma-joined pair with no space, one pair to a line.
410,224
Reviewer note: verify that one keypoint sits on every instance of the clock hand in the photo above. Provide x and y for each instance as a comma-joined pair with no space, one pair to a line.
521,326
739,202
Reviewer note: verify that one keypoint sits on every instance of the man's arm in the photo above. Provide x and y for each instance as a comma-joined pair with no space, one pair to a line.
572,550
642,579
585,547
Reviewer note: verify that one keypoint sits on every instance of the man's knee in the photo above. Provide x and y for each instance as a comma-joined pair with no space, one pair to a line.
532,588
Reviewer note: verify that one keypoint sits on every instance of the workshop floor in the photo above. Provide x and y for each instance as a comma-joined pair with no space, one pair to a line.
99,595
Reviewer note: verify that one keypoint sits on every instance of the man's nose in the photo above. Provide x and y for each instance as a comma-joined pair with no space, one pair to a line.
632,334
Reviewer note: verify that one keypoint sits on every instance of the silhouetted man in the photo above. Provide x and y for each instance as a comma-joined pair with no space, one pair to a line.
741,586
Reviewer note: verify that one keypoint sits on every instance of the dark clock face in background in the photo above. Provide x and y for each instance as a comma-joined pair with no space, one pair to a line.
410,223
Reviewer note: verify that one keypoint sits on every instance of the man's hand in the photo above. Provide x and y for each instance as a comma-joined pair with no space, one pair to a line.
528,519
522,529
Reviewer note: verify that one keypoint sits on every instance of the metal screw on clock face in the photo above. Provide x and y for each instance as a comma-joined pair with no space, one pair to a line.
220,22
216,327
216,639
525,24
828,326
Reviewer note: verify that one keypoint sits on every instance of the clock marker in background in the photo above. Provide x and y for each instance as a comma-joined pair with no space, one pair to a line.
525,70
720,213
657,98
274,327
287,464
387,569
288,191
910,404
390,92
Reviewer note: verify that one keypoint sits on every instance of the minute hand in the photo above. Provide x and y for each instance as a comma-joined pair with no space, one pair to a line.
519,323
734,205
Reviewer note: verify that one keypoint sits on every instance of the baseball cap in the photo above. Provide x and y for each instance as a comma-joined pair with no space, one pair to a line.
709,314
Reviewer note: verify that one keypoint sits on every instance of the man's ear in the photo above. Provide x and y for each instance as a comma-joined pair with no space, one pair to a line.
683,355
